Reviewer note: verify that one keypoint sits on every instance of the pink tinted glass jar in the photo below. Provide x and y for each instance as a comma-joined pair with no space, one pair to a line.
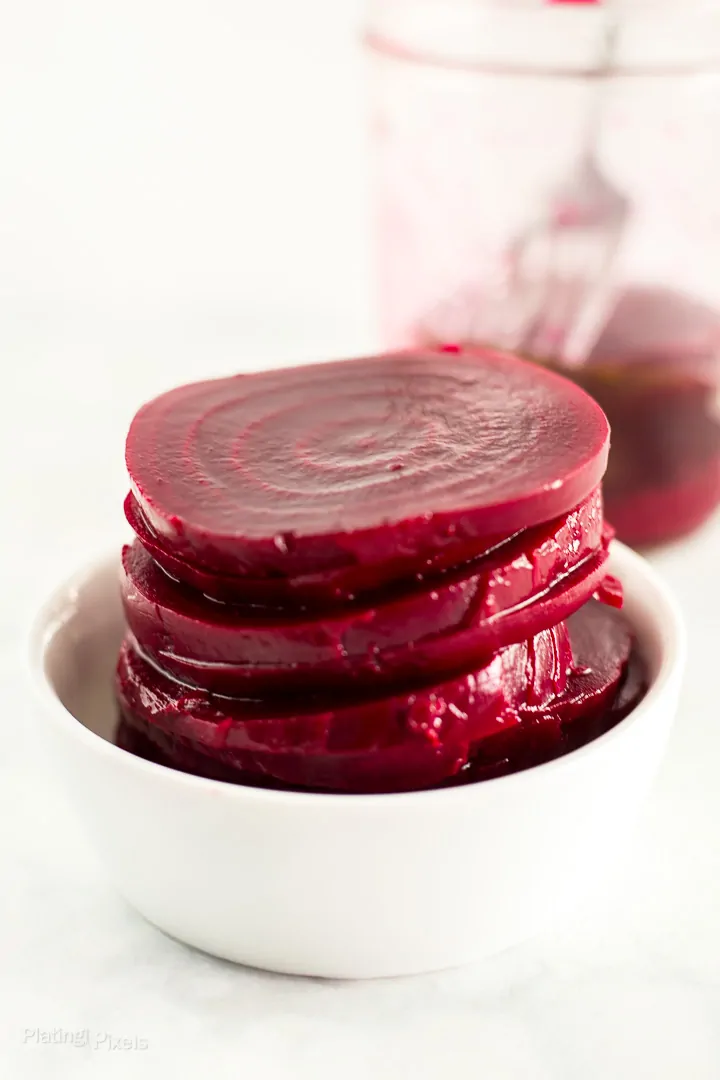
547,180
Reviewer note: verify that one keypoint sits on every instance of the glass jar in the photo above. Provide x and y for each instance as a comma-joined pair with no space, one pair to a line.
547,181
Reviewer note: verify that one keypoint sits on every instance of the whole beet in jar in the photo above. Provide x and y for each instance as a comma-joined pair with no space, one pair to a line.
546,181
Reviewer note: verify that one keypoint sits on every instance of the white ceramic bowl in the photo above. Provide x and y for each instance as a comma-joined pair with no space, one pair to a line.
347,885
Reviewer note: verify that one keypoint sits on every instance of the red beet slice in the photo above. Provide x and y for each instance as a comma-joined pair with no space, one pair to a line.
633,688
602,641
603,687
398,768
539,743
331,588
434,631
401,742
609,683
163,748
312,469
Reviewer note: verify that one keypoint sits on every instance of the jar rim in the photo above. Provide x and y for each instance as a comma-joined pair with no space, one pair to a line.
558,40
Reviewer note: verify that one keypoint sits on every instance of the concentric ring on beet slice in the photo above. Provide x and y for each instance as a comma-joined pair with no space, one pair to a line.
315,468
399,742
430,632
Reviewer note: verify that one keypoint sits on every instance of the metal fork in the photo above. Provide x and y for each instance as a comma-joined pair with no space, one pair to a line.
560,283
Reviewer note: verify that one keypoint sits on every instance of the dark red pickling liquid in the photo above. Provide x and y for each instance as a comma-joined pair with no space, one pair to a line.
655,373
663,477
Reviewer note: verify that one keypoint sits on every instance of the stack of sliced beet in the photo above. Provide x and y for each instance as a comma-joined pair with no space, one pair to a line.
372,575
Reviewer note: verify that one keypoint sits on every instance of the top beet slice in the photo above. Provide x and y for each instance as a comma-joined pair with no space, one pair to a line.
313,468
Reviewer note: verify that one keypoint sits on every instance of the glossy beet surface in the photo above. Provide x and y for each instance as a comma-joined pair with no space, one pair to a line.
601,641
301,471
427,631
355,576
404,746
400,742
307,592
607,681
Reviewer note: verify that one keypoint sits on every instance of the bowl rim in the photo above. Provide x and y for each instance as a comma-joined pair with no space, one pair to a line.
625,562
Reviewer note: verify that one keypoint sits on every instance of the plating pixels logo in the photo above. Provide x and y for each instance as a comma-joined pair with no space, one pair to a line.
83,1038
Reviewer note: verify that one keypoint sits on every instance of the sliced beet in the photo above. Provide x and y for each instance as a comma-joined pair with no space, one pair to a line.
321,591
632,690
602,642
399,768
317,468
433,631
164,749
606,682
340,751
401,742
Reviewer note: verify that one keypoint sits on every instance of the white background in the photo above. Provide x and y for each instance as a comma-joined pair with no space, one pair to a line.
183,191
